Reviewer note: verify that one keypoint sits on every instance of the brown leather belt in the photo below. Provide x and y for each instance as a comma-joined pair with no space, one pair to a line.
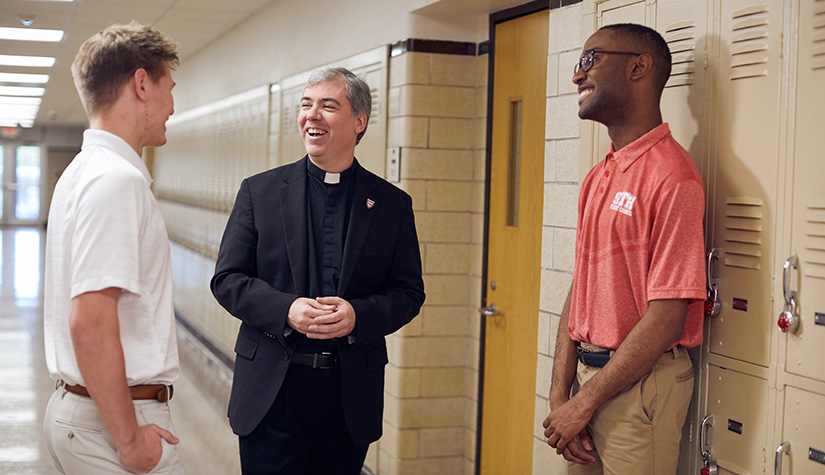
144,391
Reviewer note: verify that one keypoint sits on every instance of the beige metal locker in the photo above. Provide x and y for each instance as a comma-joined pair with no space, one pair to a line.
744,156
802,451
738,404
684,26
806,345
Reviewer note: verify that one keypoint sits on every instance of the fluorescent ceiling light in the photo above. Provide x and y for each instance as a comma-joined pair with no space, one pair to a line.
20,100
21,91
19,111
24,78
33,61
30,34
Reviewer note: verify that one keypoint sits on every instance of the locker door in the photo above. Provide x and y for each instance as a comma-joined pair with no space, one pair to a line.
806,347
609,13
739,405
684,26
744,175
804,420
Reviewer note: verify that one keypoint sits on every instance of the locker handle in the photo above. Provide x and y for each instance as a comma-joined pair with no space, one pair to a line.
788,320
712,305
709,462
784,448
790,295
707,421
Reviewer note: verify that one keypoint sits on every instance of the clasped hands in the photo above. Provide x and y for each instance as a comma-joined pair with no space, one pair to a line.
322,318
561,427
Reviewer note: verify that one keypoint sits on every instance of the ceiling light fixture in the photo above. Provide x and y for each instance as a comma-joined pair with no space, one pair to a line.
22,91
24,78
29,34
14,100
31,61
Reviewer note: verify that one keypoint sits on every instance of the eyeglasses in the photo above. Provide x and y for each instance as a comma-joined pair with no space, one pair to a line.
589,57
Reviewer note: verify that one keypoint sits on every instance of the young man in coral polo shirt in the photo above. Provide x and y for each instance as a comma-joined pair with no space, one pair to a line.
638,281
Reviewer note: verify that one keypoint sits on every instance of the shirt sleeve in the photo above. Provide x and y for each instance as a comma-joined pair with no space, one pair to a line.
105,241
676,257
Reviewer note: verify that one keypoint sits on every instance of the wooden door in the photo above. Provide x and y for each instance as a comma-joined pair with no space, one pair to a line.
514,246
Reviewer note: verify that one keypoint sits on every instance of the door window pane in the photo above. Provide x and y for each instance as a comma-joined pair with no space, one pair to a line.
514,163
27,194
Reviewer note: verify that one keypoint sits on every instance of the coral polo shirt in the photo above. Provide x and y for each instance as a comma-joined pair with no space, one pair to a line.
639,238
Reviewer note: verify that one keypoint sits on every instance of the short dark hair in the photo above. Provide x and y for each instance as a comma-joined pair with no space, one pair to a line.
109,58
649,41
358,91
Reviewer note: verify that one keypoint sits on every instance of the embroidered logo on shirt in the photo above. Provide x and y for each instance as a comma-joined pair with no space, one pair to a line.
623,203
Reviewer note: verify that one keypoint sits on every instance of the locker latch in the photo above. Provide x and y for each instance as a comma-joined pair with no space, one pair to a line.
709,462
712,305
788,319
784,448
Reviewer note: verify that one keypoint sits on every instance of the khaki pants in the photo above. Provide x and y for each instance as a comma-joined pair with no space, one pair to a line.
79,442
638,431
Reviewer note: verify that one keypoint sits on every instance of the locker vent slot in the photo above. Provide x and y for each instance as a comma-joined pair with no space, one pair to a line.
818,50
815,239
743,232
681,39
289,119
376,106
749,49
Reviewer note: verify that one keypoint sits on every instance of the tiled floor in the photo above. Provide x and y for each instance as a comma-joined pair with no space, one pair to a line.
207,444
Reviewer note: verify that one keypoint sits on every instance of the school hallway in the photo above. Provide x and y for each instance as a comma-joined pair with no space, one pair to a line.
207,444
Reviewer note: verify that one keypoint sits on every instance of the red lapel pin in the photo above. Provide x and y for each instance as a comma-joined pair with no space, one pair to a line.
370,203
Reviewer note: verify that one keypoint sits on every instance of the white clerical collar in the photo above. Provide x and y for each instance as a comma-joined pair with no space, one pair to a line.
332,178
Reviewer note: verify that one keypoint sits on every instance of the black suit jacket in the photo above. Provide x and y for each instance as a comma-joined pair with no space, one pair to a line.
262,268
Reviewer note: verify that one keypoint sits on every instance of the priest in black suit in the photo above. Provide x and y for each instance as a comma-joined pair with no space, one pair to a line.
320,261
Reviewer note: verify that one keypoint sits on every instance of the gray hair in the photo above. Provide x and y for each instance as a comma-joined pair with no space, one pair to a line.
358,91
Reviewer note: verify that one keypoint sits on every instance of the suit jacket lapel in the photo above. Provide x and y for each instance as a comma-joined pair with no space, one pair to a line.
294,212
361,216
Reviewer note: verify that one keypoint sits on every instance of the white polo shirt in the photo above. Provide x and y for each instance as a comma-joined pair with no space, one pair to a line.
105,230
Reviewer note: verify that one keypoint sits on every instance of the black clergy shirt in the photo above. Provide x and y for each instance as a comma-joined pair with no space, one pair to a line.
328,208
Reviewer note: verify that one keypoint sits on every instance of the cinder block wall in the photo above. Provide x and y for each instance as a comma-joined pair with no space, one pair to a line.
561,186
437,108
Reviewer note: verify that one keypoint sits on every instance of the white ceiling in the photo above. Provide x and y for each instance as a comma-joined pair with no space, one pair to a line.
192,23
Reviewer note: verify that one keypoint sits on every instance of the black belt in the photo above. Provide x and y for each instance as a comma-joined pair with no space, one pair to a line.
593,358
316,360
599,359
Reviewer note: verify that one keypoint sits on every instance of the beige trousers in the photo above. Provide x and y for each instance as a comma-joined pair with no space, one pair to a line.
638,431
80,444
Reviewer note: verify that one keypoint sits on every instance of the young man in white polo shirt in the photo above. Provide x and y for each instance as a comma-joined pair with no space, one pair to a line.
108,316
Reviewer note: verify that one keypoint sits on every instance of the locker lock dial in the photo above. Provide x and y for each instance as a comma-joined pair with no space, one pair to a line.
788,319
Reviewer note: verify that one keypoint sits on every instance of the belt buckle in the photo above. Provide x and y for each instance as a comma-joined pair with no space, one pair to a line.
315,360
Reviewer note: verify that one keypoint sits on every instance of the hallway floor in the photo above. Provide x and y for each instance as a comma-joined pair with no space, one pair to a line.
207,443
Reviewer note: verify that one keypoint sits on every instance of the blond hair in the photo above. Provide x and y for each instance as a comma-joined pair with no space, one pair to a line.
109,58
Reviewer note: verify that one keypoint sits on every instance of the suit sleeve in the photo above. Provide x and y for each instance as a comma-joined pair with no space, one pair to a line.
236,284
402,295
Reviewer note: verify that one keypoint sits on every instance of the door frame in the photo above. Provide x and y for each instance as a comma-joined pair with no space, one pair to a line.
10,219
496,18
